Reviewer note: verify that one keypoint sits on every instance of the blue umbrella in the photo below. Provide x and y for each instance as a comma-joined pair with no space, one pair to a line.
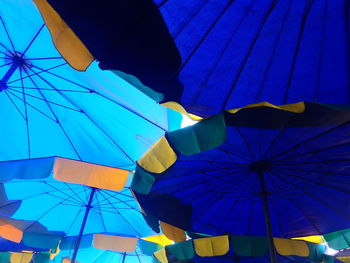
71,196
233,53
49,109
260,170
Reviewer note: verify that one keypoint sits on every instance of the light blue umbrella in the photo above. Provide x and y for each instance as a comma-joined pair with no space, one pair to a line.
49,109
71,196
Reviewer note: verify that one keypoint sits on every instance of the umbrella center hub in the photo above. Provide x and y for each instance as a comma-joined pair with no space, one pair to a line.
18,59
261,166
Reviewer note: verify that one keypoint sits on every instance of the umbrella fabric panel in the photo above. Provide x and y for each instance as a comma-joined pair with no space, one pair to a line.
305,168
88,116
243,52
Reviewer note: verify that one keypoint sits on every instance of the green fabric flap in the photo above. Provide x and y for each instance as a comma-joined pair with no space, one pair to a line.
148,248
5,257
44,241
249,246
338,240
316,251
68,243
182,251
142,181
204,135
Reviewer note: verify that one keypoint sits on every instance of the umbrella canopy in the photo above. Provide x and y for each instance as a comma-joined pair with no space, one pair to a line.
71,196
227,173
49,109
240,249
99,248
238,52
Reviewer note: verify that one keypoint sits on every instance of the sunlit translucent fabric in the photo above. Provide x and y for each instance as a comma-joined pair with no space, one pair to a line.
49,109
60,205
214,186
246,51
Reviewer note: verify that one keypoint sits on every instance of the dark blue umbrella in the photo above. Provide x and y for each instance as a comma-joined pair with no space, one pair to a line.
233,52
253,171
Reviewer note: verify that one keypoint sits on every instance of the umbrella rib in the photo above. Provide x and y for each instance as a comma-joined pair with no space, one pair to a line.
88,117
42,99
44,70
45,213
306,13
311,195
246,143
26,114
120,214
205,182
221,196
203,38
65,90
246,58
273,54
316,182
312,171
119,200
4,65
69,196
2,45
32,41
320,60
13,94
75,219
231,154
315,151
77,195
8,35
105,97
293,202
57,121
46,58
311,139
100,212
14,104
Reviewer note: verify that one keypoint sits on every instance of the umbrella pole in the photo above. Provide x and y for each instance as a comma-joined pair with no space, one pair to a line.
88,207
124,257
264,195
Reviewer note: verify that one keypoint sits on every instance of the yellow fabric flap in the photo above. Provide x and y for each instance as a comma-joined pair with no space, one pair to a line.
66,41
211,246
295,107
344,259
314,239
10,232
159,239
161,255
159,157
173,232
98,176
289,247
21,257
115,243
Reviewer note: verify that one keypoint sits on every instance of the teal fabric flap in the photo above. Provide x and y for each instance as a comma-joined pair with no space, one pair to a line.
142,181
316,251
42,258
338,240
202,136
182,251
249,246
148,248
41,240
